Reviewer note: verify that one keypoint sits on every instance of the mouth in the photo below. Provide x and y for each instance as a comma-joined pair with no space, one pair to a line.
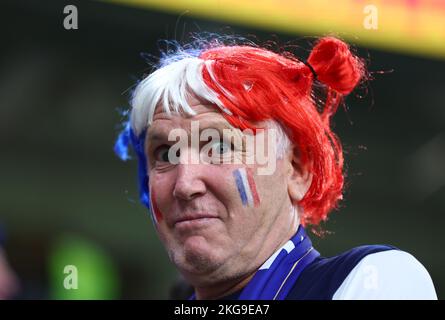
195,221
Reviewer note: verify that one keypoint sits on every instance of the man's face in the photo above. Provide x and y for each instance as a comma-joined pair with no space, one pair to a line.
216,220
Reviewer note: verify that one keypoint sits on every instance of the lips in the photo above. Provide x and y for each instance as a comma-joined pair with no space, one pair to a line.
194,218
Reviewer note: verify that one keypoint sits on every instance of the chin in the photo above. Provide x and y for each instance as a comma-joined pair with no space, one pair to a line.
197,256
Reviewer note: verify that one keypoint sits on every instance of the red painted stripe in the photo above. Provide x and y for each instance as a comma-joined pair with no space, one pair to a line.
256,198
154,205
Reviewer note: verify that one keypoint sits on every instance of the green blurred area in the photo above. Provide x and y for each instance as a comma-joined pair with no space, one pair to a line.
60,92
88,272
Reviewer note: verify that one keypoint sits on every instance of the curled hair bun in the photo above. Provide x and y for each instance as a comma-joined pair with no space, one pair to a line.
335,65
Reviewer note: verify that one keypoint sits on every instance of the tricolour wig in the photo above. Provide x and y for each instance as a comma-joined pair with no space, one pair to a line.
250,84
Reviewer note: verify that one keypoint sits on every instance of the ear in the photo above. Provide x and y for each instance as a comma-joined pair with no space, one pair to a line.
300,177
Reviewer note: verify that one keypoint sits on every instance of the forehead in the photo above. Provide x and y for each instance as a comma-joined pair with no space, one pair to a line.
208,116
198,105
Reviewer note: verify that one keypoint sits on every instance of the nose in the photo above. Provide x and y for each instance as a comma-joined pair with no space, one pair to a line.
189,183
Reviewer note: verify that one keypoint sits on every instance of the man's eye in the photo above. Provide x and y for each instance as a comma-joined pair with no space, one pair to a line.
161,154
221,147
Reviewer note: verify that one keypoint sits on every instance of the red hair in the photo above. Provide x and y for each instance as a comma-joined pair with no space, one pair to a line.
255,84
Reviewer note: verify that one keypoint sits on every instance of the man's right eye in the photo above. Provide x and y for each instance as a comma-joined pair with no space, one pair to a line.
161,154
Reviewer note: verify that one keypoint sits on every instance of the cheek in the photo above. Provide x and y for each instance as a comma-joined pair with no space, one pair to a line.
273,190
160,188
246,187
157,214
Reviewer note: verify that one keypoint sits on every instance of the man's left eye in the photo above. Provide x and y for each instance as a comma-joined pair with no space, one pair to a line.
221,147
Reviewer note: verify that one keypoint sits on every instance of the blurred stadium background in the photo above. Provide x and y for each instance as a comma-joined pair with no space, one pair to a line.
67,200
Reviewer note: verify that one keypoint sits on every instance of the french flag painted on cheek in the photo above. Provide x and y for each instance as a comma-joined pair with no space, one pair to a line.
156,213
246,187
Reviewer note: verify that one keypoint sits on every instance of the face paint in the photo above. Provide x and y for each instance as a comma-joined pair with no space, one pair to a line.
246,187
156,213
252,185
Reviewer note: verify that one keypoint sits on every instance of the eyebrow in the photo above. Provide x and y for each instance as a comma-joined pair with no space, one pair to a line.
219,125
157,135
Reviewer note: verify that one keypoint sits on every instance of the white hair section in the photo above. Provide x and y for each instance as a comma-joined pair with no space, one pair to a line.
170,87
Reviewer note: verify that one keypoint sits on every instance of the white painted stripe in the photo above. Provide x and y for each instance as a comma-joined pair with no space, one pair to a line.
288,246
249,197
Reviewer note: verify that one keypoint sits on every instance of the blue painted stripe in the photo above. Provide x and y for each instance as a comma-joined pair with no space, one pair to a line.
246,186
240,186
